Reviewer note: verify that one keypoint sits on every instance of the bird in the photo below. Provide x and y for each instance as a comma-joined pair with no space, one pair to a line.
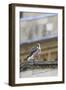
35,51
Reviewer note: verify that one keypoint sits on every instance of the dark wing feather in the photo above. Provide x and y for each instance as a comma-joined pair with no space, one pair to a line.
33,50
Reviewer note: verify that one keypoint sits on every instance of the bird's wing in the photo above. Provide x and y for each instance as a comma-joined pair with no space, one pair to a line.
34,49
